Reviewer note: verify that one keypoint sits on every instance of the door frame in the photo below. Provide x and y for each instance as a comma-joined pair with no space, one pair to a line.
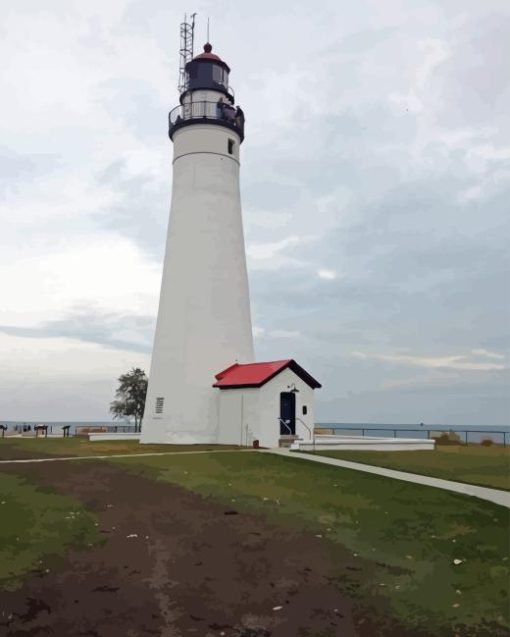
286,395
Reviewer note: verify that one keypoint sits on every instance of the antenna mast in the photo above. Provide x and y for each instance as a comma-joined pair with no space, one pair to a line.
186,50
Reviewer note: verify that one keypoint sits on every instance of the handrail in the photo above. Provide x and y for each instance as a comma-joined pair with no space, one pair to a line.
284,423
204,110
312,434
304,423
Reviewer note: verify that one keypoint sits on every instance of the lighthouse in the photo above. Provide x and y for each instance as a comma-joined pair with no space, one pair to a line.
204,323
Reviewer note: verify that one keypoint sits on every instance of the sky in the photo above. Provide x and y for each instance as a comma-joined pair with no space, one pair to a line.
375,187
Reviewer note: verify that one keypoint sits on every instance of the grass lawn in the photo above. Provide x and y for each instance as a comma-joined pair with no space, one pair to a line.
435,560
14,448
37,527
485,466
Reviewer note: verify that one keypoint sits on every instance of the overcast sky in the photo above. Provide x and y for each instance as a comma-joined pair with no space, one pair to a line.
375,185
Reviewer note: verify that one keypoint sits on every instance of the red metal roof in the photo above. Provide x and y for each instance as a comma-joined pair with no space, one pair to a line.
257,374
207,55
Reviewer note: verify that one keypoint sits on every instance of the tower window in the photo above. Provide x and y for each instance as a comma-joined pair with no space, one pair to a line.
305,410
219,75
231,146
159,405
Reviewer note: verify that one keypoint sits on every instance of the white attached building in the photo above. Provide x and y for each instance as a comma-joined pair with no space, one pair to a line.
270,402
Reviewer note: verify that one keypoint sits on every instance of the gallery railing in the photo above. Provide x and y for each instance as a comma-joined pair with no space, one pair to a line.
205,111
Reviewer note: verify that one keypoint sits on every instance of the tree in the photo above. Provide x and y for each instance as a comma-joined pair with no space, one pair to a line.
130,396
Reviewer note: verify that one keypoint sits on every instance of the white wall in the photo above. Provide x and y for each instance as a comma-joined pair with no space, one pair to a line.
239,415
270,407
208,138
204,322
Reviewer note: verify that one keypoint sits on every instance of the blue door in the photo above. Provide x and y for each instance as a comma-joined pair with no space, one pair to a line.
287,413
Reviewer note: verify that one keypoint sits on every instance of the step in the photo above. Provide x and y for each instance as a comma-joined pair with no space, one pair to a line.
286,441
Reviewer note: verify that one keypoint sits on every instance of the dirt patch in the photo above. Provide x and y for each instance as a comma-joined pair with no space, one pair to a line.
175,564
9,451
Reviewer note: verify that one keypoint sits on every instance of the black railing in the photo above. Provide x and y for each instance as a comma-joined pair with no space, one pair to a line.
206,111
65,430
464,436
86,429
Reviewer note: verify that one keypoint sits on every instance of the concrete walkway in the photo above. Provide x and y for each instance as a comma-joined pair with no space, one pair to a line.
118,455
484,493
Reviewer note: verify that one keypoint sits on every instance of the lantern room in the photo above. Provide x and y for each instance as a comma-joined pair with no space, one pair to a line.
208,72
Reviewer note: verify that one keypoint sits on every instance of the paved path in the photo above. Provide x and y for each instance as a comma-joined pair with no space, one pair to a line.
491,495
118,455
484,493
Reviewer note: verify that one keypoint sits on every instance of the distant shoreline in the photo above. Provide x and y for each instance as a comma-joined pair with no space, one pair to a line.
353,425
467,433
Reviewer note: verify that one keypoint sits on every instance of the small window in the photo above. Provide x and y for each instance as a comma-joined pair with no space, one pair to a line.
219,75
159,405
231,146
305,410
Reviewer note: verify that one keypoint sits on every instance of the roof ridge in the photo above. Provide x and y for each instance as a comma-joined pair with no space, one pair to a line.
281,360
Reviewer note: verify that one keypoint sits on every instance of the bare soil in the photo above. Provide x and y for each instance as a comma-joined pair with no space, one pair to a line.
174,563
12,452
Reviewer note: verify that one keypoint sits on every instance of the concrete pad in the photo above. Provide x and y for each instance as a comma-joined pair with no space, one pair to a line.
121,435
324,442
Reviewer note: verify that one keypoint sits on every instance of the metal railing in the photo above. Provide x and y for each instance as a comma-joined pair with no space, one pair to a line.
463,434
311,432
220,113
305,425
85,429
64,430
285,424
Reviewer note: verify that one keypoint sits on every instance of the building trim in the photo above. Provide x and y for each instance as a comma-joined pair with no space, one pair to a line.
207,152
208,121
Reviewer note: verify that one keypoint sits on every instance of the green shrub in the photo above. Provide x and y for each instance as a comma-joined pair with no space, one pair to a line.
446,438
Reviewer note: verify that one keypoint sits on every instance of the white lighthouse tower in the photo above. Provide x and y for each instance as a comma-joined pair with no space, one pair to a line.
204,322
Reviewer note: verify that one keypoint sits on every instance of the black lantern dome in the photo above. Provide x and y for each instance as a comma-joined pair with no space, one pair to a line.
207,71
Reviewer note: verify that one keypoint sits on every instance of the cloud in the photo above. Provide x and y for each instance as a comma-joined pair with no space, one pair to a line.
457,362
378,149
284,334
329,275
273,255
60,378
487,354
105,273
116,331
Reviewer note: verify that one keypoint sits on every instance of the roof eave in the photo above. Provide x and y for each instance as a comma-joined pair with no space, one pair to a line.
291,364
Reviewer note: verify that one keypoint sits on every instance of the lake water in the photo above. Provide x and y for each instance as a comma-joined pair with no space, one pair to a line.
471,433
